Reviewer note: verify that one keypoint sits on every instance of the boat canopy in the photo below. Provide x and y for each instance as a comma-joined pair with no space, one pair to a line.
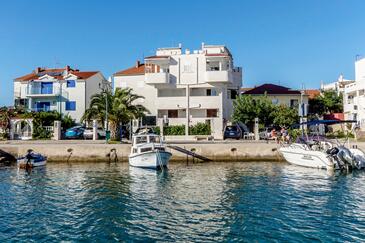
325,122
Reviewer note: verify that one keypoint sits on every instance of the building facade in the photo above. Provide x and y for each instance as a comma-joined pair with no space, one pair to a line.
338,85
186,88
65,90
354,96
278,95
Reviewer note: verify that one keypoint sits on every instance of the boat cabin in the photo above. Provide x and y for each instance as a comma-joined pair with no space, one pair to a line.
146,143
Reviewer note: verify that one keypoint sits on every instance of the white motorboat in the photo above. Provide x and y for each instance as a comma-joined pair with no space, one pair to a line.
31,159
319,152
149,151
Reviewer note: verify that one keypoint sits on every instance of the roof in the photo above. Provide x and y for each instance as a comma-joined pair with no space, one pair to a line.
272,89
135,70
57,73
157,57
84,75
312,93
243,90
217,54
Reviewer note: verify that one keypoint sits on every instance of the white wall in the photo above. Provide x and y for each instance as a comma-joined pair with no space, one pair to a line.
360,70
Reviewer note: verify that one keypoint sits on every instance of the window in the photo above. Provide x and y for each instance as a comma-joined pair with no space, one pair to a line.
294,103
212,112
70,105
172,113
46,88
211,92
275,101
71,84
233,94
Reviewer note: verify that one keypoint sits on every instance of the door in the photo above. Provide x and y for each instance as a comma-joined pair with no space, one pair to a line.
43,106
46,87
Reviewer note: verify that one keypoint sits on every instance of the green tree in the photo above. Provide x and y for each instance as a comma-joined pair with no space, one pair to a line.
284,116
246,109
326,103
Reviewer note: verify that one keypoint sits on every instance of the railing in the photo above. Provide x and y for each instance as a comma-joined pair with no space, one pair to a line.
157,78
35,90
47,108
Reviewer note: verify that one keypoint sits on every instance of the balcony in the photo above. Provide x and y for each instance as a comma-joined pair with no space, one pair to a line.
38,91
218,76
157,78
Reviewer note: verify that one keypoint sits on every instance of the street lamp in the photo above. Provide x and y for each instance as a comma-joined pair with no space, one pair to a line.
105,87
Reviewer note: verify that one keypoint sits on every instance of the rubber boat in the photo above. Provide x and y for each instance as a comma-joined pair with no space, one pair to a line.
31,160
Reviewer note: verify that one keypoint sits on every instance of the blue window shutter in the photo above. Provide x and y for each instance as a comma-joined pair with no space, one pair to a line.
70,105
71,83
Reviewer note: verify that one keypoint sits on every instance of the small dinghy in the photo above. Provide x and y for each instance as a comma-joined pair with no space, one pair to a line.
31,160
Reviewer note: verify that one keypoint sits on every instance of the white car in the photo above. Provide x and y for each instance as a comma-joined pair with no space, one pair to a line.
88,133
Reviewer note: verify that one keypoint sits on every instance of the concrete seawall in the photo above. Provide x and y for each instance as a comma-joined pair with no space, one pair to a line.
240,151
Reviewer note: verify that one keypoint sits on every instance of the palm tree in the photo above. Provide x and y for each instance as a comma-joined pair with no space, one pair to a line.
121,109
97,107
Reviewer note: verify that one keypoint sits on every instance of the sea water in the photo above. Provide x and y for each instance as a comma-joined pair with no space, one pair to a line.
205,202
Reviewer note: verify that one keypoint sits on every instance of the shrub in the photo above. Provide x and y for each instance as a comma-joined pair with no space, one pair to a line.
174,130
200,128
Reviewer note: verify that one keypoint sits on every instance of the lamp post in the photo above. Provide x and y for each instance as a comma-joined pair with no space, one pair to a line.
105,87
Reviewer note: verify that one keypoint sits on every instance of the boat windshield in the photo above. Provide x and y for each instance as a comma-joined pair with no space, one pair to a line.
141,139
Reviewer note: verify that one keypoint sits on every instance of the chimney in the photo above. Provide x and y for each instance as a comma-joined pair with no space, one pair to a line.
138,63
38,70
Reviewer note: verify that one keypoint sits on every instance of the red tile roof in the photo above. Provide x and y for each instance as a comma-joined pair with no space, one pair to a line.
135,70
84,75
56,73
312,93
271,89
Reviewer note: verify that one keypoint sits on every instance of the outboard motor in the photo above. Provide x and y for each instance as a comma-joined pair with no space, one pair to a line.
346,157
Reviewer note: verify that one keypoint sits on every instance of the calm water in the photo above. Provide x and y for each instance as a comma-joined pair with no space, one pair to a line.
211,202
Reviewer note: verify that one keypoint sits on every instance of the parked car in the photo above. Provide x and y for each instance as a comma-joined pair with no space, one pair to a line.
233,131
88,133
75,132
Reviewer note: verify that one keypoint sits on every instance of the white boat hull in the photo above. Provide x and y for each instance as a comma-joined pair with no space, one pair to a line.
23,162
307,158
151,160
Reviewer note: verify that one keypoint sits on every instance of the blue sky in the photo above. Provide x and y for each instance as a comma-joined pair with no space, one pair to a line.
285,42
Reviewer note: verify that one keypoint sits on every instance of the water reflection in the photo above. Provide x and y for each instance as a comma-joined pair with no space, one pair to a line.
204,202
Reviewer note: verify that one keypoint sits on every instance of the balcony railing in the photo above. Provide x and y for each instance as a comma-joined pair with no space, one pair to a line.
38,109
218,76
46,91
157,78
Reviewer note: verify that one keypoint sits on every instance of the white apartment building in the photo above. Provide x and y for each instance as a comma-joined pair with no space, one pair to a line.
186,88
65,90
338,85
354,96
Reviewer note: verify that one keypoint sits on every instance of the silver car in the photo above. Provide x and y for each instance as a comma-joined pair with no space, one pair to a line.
88,133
